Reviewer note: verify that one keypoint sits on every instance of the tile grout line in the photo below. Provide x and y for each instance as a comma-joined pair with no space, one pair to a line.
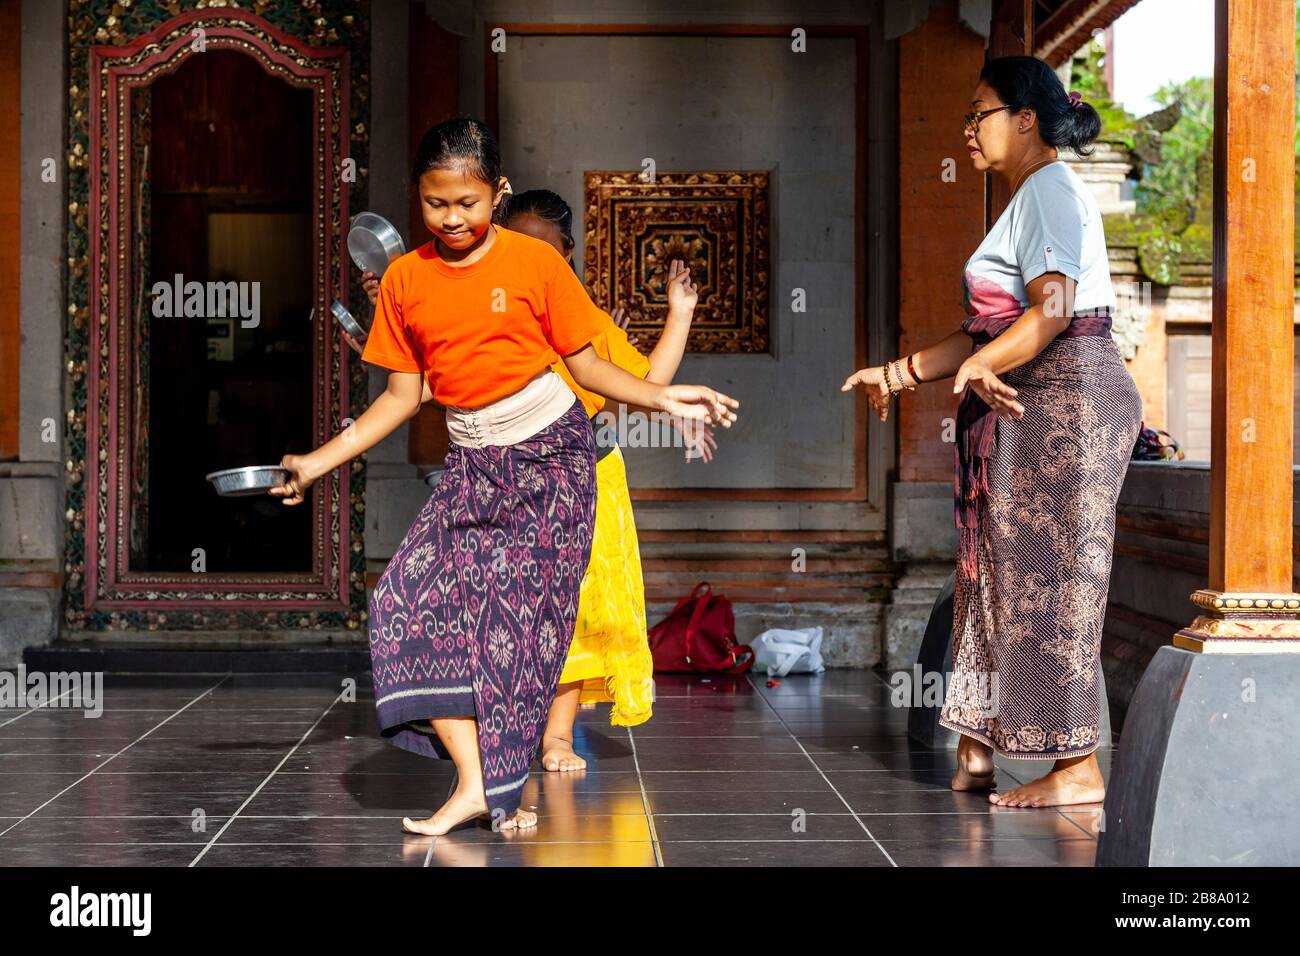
416,773
249,799
366,816
268,753
116,755
645,802
33,710
834,789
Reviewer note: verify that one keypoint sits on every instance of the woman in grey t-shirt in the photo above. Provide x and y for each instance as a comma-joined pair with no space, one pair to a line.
1048,418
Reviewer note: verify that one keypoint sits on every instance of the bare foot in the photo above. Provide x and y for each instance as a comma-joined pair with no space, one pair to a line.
558,755
453,813
462,805
974,765
1073,781
522,820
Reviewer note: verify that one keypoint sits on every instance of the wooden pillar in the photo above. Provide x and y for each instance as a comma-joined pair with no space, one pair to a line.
1011,33
1108,69
1250,603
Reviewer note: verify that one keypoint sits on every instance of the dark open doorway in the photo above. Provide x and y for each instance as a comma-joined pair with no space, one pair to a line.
229,200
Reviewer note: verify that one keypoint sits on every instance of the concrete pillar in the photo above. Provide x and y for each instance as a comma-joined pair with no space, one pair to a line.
31,489
1209,743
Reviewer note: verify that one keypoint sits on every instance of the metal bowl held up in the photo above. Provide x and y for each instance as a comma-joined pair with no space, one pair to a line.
373,243
247,481
345,319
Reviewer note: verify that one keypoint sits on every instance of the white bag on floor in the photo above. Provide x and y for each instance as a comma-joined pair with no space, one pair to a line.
785,652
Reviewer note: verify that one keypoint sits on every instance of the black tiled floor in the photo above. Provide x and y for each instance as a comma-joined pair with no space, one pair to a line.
278,770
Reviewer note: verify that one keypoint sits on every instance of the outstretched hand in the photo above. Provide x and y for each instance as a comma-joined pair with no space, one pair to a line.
697,438
699,402
976,373
878,394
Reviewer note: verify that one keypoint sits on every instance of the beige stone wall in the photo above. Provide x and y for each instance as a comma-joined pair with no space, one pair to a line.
1171,373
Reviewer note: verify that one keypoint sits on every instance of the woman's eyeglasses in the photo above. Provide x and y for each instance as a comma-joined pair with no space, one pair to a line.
972,123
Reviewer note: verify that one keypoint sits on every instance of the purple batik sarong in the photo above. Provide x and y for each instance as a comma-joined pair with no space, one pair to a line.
474,614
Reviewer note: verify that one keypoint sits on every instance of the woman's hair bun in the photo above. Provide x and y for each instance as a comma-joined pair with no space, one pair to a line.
1026,81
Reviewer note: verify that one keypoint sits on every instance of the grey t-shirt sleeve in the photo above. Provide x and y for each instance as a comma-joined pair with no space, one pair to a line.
1048,233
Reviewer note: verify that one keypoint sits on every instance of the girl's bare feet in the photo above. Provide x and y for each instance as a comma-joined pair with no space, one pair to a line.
468,801
1072,781
462,805
558,755
974,765
557,739
522,820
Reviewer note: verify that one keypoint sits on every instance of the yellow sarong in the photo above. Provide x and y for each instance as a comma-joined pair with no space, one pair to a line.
610,652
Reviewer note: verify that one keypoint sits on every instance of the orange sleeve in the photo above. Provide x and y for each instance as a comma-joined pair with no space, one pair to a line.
572,319
623,353
389,344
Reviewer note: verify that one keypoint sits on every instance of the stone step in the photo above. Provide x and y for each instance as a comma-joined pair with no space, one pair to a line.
764,572
196,658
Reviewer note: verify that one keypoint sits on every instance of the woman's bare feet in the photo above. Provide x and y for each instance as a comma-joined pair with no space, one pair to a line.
1072,781
974,765
558,755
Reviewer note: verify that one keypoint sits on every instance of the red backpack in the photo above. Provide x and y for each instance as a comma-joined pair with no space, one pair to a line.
699,637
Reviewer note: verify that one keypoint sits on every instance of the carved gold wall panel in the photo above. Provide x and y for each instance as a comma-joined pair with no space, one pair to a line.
717,222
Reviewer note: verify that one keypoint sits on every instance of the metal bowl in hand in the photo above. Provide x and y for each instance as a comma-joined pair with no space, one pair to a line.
345,319
373,243
250,480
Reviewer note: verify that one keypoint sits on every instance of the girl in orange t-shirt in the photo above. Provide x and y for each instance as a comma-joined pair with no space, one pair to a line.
609,660
471,620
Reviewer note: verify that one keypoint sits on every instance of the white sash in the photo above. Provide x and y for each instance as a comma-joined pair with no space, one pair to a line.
512,419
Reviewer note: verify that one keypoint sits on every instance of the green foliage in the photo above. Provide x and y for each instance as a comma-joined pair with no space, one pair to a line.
1158,254
1171,184
1180,183
1118,125
1174,190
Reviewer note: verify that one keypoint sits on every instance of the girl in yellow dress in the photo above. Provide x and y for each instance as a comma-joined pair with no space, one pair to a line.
609,659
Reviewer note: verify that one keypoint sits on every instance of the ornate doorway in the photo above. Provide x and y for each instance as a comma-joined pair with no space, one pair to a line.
218,152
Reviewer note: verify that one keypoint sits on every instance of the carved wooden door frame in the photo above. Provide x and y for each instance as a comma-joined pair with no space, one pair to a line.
332,593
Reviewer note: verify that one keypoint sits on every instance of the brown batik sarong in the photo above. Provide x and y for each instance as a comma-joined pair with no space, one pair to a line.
1027,622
